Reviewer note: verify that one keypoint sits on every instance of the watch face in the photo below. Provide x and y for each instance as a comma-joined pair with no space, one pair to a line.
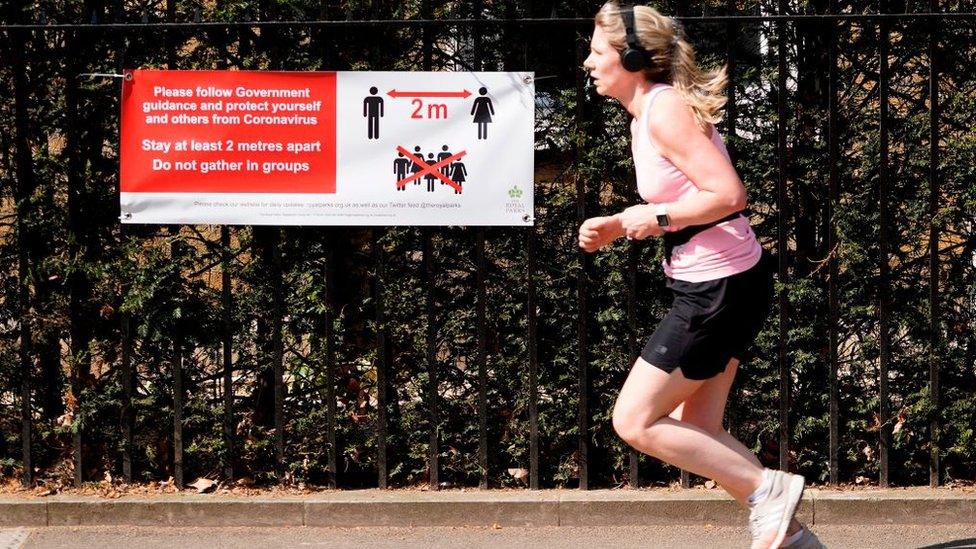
662,221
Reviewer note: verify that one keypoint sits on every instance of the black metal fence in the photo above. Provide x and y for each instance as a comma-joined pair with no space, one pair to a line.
782,191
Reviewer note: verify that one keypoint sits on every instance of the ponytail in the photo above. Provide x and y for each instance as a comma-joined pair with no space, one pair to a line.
672,59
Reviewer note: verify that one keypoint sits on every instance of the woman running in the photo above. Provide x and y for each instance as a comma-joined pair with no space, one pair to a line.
672,404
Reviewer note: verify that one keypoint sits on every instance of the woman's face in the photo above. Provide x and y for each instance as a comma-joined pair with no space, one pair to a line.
609,75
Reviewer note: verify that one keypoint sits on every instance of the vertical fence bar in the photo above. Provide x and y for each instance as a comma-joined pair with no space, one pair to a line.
77,351
684,477
781,228
25,369
533,361
128,371
731,115
482,327
25,186
381,381
226,302
76,279
583,413
332,239
277,347
532,347
582,364
176,252
935,328
833,247
128,392
75,185
268,12
430,356
430,343
884,309
178,407
731,32
226,298
330,360
482,358
177,364
633,255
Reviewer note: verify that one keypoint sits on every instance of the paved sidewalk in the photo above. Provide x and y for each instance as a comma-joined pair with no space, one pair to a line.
480,537
404,508
14,538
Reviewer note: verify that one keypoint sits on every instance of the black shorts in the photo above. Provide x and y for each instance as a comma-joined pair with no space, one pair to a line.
712,322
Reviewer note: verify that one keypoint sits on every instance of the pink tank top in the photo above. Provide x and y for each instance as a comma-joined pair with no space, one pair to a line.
723,250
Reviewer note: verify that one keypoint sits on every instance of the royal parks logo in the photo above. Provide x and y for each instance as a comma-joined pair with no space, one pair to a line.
514,204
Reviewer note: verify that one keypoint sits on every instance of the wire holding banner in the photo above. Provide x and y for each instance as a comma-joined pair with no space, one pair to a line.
92,75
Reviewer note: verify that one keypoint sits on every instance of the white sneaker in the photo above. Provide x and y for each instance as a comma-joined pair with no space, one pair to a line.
770,518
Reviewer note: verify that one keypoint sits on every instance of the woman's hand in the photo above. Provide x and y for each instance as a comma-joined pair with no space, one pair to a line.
597,232
639,222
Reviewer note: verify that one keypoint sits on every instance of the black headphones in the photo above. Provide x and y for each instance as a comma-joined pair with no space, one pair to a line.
634,57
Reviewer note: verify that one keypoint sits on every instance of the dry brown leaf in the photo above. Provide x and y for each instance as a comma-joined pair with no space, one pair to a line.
203,485
520,474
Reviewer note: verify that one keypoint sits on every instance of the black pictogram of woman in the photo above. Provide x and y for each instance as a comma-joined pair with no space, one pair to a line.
400,166
430,177
458,171
414,166
373,110
482,110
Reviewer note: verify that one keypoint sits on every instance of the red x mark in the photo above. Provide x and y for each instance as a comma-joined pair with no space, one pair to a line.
429,168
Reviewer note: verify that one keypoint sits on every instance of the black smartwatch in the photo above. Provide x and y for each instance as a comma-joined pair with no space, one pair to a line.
661,212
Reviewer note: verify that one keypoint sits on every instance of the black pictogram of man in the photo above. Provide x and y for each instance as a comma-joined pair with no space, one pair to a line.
446,168
430,177
415,166
373,110
400,166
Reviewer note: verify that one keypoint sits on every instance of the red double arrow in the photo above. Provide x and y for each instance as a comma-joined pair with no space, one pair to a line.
429,168
394,94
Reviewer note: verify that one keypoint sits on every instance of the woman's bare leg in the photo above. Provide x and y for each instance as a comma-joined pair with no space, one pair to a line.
641,418
706,409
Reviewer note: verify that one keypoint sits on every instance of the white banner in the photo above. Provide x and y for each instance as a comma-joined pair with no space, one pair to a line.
253,148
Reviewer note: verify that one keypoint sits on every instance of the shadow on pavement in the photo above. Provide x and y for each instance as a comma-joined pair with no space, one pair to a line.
955,544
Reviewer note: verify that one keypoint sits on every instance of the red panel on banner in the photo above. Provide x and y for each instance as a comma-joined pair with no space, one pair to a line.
228,132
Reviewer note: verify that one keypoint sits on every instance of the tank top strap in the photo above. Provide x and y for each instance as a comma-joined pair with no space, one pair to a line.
652,95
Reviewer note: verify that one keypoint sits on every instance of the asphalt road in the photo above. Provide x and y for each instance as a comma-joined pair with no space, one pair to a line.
860,537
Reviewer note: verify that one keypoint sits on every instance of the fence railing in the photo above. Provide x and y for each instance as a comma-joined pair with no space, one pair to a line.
137,41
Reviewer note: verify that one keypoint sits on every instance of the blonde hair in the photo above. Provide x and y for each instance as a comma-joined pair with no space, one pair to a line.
671,58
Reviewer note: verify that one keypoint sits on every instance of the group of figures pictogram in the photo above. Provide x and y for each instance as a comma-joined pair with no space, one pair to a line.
446,166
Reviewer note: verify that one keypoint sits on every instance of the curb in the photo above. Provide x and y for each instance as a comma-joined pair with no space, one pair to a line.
365,508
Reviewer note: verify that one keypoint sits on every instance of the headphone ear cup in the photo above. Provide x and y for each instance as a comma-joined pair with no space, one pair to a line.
632,60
